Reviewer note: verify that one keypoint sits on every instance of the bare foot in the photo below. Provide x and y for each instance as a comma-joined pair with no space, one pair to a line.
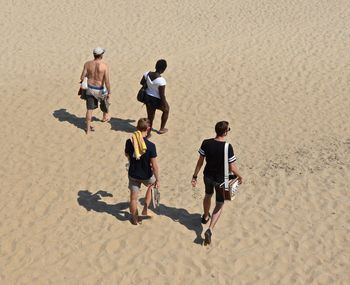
92,129
163,131
134,220
144,212
106,120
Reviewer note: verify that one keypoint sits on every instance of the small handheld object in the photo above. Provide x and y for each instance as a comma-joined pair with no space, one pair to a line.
84,84
155,197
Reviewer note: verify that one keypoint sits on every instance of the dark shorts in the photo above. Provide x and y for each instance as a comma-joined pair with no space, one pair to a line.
210,185
152,101
92,104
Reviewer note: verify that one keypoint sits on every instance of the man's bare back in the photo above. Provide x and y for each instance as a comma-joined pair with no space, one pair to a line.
97,73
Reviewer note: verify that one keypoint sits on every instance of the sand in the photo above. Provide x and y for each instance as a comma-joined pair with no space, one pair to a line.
278,71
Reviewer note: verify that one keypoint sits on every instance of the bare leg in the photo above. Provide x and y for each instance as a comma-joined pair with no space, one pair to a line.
104,109
150,115
206,205
148,198
164,118
216,215
88,121
105,117
133,207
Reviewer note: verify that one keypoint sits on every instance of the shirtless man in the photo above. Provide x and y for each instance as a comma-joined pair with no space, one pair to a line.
99,88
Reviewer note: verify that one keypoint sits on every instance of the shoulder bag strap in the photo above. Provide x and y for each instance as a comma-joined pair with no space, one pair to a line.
145,77
226,173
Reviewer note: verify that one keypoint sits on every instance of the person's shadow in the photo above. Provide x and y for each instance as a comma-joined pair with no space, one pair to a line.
92,201
117,124
64,116
182,216
121,125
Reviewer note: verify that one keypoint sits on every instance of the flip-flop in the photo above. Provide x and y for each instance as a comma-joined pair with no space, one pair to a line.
106,120
155,197
207,237
163,131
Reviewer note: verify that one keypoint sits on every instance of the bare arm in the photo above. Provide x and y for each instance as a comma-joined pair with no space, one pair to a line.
143,81
234,169
162,94
108,84
83,74
155,168
196,170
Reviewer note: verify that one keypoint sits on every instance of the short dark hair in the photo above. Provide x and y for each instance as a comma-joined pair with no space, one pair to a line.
161,65
143,124
221,128
98,56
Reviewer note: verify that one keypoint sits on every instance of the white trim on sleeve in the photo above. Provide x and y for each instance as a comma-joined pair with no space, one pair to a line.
232,159
201,152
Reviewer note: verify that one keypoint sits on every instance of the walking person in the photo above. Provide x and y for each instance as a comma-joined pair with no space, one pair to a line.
99,88
154,85
143,167
212,150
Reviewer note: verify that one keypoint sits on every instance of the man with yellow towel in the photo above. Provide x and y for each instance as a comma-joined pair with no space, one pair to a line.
143,167
139,144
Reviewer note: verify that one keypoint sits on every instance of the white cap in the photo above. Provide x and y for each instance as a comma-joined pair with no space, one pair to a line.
99,51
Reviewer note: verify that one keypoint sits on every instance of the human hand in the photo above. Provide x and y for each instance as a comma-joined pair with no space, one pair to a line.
240,179
194,182
156,184
81,92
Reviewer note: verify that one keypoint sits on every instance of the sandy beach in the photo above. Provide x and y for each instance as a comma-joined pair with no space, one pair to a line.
278,71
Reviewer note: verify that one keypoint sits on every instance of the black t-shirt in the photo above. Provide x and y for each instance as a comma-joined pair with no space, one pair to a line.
213,151
141,168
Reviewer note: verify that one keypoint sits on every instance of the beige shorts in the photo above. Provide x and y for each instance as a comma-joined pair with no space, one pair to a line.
135,184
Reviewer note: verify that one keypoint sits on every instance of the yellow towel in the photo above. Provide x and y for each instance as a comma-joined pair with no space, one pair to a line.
139,144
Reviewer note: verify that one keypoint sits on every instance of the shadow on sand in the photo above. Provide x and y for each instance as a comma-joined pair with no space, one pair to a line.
92,201
191,221
120,125
64,116
117,124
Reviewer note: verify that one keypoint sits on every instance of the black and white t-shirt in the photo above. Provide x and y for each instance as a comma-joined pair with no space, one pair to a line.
213,151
